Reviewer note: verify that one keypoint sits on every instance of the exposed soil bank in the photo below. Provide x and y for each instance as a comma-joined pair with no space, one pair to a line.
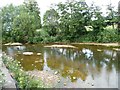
100,44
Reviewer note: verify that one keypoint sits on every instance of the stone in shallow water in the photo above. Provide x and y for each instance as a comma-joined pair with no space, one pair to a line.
74,78
92,84
99,50
56,72
27,53
65,84
59,81
38,53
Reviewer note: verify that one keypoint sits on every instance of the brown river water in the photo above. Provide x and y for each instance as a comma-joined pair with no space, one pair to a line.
86,66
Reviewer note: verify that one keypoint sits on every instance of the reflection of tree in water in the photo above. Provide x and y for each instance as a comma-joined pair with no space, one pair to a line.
91,59
31,62
67,68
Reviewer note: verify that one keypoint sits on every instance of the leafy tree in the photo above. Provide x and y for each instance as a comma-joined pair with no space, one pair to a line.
112,17
50,22
7,15
74,16
97,20
24,28
33,9
20,22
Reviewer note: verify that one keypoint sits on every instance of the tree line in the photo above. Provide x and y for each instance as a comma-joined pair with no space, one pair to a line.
72,21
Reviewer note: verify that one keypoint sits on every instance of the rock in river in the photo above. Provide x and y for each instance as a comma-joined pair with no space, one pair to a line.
27,53
56,72
38,53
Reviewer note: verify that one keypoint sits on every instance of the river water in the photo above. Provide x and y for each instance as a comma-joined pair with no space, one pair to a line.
81,67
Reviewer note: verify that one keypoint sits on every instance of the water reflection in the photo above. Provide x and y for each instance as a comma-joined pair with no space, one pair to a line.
87,63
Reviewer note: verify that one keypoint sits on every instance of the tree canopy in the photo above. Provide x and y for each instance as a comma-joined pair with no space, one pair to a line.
72,21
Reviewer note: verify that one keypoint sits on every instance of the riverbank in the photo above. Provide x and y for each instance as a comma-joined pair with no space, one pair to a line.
14,72
101,44
64,43
8,81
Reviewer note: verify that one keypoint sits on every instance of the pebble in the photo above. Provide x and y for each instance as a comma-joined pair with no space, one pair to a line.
74,78
38,53
99,50
27,53
92,84
56,72
65,84
59,81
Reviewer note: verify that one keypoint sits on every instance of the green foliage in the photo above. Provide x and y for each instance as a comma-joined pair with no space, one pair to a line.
66,22
23,80
74,16
50,22
19,23
86,38
108,35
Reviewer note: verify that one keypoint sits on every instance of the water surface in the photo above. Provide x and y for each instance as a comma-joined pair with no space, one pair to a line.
86,66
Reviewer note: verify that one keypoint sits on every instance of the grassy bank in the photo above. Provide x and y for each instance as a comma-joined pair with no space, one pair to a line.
23,80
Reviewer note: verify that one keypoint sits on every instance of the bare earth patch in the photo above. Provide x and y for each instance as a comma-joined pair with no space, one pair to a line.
48,78
61,46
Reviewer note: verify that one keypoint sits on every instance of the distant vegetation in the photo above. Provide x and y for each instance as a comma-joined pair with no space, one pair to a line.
66,22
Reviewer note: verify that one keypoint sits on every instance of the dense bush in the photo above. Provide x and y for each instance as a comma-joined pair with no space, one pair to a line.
108,35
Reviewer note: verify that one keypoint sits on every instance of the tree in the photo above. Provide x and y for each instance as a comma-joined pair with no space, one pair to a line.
20,22
112,17
25,25
74,16
33,9
24,28
7,15
97,20
50,22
